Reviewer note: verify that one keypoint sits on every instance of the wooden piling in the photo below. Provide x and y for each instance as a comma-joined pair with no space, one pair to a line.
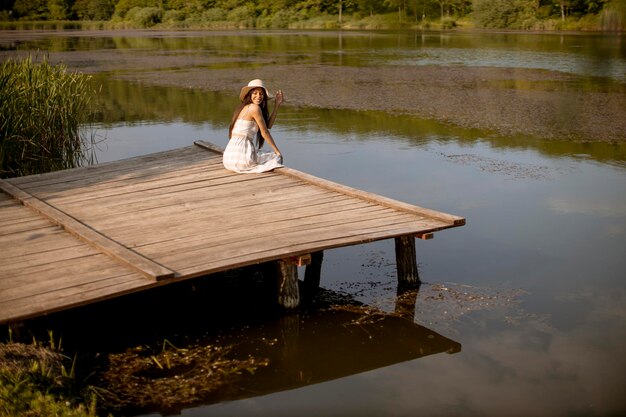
288,292
406,262
312,274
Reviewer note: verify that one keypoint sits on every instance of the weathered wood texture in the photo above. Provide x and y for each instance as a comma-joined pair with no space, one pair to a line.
171,216
44,269
406,264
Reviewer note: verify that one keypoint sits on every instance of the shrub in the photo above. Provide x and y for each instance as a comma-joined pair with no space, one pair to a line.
173,16
34,381
42,109
124,6
214,14
448,23
282,18
502,14
239,14
144,17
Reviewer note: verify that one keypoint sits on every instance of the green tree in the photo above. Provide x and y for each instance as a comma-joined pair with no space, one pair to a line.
399,5
369,6
31,9
59,9
501,14
94,9
6,4
123,6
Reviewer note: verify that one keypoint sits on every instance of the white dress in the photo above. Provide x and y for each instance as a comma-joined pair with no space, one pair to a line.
241,155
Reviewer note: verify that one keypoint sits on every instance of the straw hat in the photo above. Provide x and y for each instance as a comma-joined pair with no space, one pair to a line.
251,85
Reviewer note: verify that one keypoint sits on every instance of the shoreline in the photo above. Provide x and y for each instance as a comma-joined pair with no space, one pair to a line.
508,101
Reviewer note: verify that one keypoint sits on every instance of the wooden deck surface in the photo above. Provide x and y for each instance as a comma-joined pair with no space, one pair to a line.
73,237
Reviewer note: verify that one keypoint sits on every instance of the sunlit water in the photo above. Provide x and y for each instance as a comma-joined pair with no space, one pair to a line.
545,238
532,288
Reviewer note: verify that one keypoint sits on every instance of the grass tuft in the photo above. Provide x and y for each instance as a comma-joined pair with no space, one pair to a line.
42,110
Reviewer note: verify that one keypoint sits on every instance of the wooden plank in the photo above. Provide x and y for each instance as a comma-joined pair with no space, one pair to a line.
306,240
151,163
227,210
105,190
190,215
108,246
71,266
97,182
177,185
217,224
6,201
320,182
99,270
374,198
232,235
15,213
29,235
184,200
39,245
190,202
24,226
56,257
264,255
53,302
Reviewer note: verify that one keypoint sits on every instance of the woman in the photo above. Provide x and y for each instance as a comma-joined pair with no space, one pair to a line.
249,129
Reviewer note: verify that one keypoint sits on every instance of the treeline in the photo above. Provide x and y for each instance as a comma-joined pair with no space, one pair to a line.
372,14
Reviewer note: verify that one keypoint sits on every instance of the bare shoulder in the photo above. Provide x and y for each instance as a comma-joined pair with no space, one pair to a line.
254,108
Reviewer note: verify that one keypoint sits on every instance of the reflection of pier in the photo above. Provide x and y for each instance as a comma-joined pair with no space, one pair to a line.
306,348
333,344
94,233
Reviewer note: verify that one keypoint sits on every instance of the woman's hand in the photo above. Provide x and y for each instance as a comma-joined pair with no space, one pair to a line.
279,97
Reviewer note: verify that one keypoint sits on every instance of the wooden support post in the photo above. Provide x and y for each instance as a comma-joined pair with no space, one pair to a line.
312,274
406,262
288,292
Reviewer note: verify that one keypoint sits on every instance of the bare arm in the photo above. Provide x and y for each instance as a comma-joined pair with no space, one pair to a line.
279,100
255,112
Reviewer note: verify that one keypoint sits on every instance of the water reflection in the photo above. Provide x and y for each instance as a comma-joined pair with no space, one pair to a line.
332,343
588,54
126,103
506,58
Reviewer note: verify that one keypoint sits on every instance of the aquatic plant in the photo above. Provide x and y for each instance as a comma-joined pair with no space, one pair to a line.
43,109
145,378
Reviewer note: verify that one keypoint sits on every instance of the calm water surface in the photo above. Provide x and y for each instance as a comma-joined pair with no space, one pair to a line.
531,291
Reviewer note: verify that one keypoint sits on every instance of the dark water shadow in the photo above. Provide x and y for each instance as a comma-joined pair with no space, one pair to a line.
228,322
323,345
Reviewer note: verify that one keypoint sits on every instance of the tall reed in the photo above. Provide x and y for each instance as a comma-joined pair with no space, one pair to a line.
42,110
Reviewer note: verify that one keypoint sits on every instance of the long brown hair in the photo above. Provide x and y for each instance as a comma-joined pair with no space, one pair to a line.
266,115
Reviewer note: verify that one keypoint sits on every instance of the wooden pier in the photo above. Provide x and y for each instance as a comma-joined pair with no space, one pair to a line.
78,236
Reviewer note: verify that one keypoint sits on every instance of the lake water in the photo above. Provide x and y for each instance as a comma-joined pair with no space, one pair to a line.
531,293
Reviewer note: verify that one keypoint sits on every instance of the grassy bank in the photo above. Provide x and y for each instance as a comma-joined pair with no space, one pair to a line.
52,25
607,21
37,380
43,110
